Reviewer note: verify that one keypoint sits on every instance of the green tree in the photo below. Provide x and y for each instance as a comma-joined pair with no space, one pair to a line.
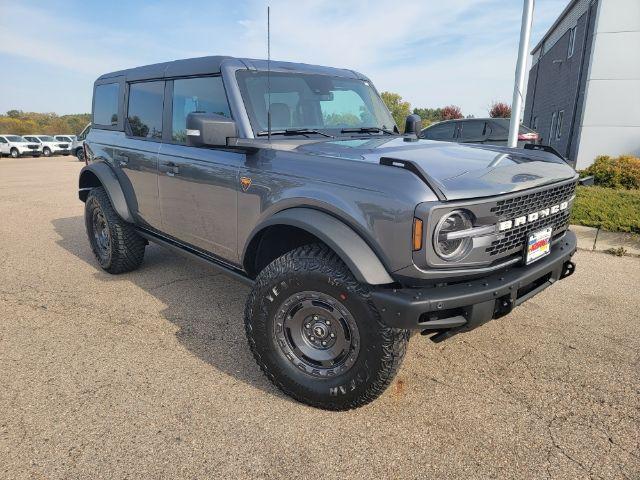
398,107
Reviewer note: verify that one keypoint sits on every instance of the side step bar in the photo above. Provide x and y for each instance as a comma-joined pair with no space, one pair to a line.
190,252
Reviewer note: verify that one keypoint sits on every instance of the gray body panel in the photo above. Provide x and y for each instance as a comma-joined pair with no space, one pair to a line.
366,209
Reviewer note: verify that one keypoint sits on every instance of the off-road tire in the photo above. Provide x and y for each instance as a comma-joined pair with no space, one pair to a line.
125,249
46,151
381,348
14,153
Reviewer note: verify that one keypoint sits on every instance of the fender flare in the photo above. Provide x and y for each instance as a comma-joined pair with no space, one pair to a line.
110,182
342,239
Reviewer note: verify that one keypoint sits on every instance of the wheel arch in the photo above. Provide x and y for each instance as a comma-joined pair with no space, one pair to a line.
297,226
99,174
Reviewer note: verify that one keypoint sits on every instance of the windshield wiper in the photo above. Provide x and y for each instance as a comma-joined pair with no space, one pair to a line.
367,130
293,131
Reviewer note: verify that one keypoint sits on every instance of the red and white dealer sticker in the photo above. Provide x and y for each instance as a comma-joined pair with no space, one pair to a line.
539,245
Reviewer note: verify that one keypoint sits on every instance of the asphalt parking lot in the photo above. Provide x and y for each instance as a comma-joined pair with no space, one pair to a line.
147,374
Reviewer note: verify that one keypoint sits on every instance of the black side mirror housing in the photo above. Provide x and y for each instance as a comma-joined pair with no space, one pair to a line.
413,125
209,130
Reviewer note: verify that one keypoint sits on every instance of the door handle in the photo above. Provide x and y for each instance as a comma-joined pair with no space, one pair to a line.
172,170
123,160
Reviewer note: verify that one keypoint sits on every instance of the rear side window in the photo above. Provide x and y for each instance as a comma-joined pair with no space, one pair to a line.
105,104
441,132
205,94
472,130
145,109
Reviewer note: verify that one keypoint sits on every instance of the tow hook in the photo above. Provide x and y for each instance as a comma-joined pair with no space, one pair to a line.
567,269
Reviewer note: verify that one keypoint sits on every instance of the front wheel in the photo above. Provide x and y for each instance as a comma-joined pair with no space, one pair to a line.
14,153
80,154
46,151
315,333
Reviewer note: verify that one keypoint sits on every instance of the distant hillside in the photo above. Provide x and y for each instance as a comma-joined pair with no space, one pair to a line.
23,123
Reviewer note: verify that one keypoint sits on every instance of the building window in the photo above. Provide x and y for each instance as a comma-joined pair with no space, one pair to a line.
572,42
553,126
559,125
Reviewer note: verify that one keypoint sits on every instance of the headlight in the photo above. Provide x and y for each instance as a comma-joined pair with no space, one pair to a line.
451,247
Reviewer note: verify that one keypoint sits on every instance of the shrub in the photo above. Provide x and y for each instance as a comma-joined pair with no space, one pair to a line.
607,208
620,172
451,112
500,110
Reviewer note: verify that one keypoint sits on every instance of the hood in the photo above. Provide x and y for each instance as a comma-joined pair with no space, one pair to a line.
458,171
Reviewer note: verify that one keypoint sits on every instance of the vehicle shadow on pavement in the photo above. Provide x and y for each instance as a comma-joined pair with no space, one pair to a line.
205,305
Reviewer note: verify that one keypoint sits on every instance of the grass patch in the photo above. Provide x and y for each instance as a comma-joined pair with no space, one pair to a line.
607,208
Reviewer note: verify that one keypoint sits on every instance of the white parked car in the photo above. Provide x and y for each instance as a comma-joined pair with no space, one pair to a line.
50,146
17,146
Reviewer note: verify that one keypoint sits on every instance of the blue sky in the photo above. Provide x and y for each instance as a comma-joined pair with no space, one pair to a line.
432,52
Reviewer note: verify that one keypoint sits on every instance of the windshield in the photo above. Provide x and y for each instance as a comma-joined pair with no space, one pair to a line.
15,138
311,102
46,138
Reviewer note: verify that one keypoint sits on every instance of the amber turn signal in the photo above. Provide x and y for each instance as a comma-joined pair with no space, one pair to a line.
417,234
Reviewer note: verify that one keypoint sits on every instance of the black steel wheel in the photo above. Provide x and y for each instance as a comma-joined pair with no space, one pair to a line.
115,243
315,333
80,154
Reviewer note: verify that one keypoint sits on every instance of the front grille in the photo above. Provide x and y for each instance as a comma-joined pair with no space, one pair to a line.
518,206
63,145
33,147
513,240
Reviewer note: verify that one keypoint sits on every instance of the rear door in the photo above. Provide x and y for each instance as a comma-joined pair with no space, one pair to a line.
135,154
198,186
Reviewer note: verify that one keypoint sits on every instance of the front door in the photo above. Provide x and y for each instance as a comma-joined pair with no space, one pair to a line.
198,187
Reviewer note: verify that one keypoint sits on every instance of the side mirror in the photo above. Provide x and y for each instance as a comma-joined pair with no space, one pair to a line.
413,125
209,130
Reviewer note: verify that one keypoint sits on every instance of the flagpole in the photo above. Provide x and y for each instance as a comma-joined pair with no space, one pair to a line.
521,65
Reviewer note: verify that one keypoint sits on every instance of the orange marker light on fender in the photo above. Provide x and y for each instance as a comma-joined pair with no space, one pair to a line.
417,234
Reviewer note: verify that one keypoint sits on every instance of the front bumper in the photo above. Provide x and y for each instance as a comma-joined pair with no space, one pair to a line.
466,305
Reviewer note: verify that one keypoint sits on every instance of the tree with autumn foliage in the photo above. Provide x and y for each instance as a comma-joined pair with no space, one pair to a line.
500,110
451,112
399,108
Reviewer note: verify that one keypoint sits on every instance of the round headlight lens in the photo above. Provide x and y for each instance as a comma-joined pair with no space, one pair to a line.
455,249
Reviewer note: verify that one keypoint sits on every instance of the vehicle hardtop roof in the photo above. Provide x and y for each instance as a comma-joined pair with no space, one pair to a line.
213,65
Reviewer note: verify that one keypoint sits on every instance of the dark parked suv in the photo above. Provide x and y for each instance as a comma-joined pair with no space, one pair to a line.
490,131
295,181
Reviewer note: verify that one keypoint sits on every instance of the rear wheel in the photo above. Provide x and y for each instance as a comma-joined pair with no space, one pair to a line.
115,243
14,153
315,333
46,151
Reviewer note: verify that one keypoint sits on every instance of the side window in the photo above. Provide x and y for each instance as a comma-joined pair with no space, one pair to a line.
205,94
553,125
559,127
2,140
572,42
472,131
105,104
441,132
144,113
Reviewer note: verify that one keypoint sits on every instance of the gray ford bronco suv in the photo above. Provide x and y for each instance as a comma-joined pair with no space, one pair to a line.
295,180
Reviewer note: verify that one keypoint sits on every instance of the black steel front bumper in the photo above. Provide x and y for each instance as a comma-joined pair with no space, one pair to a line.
462,306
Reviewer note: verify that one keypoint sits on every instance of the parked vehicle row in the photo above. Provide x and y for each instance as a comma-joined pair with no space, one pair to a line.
47,145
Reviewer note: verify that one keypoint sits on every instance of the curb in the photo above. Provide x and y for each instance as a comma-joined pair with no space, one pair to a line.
596,239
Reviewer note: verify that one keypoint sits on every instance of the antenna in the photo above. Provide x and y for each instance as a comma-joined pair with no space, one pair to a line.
269,72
